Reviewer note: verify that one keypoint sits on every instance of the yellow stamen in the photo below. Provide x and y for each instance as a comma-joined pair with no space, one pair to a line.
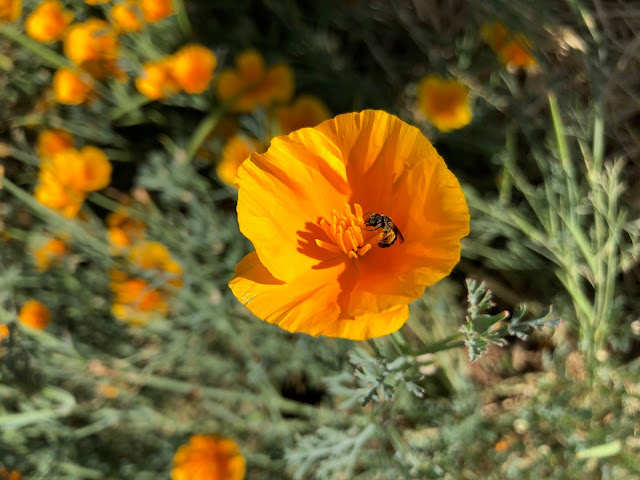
346,233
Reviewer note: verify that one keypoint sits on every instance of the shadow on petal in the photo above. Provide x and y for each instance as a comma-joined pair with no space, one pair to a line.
307,246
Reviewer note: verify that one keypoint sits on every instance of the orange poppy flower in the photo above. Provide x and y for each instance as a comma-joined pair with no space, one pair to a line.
49,252
51,193
512,49
127,17
34,314
52,141
444,102
157,80
123,230
9,475
322,265
236,151
154,255
96,2
93,46
10,10
83,170
306,111
256,85
48,21
155,10
4,333
207,457
136,301
193,67
71,87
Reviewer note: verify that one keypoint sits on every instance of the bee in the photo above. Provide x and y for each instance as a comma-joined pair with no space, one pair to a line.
391,232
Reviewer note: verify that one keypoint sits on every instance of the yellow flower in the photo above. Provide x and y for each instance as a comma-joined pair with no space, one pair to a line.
10,10
71,87
155,256
207,457
68,175
136,301
49,252
93,46
83,170
51,193
48,22
124,230
127,16
193,67
256,85
306,111
4,333
444,102
322,265
34,314
52,141
512,49
157,80
236,151
155,10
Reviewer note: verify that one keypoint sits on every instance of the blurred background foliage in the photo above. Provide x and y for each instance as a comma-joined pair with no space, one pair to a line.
549,165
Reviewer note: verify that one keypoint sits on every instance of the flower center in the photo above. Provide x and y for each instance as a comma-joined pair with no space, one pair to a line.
346,232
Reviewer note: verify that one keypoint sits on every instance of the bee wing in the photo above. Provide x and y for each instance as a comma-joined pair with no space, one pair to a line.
399,234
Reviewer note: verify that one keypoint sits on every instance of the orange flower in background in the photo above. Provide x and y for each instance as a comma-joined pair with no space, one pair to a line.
236,151
48,22
48,253
155,10
71,87
444,102
124,230
322,265
10,475
83,170
10,10
4,333
96,2
34,314
127,16
193,67
207,457
136,301
53,194
155,256
256,85
306,111
93,46
52,141
156,80
512,49
65,178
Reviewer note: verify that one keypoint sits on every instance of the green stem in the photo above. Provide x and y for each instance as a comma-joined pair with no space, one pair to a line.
47,54
104,201
183,18
133,104
506,183
24,157
206,125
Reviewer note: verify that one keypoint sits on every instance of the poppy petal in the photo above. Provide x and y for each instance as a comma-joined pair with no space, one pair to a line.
309,304
306,179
